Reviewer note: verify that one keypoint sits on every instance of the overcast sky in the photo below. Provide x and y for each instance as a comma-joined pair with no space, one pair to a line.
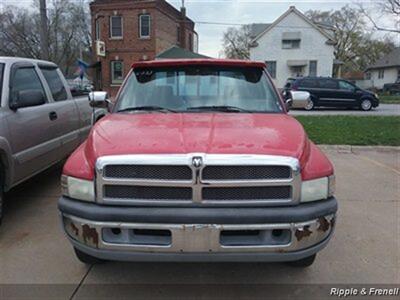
237,12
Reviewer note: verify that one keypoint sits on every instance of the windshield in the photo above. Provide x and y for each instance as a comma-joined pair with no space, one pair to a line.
199,88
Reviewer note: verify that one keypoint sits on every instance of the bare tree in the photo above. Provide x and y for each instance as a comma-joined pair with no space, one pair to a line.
68,32
355,47
236,42
388,7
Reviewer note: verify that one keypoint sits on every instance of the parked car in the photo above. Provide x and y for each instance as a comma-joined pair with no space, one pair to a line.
331,92
40,122
392,88
198,161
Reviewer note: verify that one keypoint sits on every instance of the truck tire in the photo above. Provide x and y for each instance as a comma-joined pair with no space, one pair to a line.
304,262
86,258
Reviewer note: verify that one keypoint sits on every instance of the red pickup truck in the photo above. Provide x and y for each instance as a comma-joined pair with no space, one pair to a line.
198,161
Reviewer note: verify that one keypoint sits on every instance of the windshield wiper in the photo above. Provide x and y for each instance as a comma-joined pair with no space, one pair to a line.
223,108
147,108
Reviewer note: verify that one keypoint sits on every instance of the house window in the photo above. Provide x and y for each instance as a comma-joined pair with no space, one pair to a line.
381,73
117,72
313,68
398,75
116,27
271,68
144,26
368,75
98,33
290,44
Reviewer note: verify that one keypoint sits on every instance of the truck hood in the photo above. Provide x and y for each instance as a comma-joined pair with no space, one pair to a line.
218,133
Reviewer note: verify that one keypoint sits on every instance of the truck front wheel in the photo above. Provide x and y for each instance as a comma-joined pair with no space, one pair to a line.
86,258
304,262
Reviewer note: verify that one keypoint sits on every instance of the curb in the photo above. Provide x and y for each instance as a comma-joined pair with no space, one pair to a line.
351,148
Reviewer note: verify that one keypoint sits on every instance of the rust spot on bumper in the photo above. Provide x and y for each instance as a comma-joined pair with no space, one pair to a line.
302,232
74,228
323,224
89,233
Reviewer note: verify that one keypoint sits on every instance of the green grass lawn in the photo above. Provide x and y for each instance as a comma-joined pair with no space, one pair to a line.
389,99
352,130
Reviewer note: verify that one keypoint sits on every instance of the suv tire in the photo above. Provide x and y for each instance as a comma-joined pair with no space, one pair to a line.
366,104
310,105
304,262
86,258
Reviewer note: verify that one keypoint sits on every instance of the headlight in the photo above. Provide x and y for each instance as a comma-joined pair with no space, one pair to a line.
317,189
76,188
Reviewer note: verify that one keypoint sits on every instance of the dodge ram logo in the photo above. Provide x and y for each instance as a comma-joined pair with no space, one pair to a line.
197,162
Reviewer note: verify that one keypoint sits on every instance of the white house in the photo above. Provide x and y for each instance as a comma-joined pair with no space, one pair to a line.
293,46
385,70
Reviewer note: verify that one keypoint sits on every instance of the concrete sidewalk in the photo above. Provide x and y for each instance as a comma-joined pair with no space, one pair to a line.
364,249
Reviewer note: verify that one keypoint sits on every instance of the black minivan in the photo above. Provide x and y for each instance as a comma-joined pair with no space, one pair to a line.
332,92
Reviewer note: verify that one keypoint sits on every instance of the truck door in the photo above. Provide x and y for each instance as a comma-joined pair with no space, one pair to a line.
66,128
30,127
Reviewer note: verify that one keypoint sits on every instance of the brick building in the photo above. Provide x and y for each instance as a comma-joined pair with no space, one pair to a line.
130,30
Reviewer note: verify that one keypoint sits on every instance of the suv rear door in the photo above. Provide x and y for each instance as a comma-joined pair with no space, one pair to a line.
328,92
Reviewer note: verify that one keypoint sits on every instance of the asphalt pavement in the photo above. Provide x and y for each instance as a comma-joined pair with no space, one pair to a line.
364,249
381,110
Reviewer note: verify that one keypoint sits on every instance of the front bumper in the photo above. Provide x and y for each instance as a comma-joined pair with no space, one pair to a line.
199,234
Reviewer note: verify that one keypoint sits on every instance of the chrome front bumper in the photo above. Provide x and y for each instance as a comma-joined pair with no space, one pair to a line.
116,237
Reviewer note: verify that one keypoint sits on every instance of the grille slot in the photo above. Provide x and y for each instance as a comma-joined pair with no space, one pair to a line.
246,172
157,172
247,193
147,192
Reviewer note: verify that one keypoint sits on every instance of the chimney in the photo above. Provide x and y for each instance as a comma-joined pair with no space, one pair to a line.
182,26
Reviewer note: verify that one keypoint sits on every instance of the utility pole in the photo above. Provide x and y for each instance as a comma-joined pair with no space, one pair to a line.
44,41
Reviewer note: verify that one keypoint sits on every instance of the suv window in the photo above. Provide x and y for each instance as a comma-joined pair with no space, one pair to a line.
328,84
1,80
56,86
308,83
25,79
343,85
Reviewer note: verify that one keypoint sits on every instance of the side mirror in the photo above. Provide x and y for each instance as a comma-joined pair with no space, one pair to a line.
298,99
27,98
99,99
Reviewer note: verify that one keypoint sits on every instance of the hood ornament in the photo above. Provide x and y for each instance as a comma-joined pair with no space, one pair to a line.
197,162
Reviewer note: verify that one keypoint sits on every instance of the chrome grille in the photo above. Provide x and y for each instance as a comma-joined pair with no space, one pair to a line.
247,193
198,179
147,192
148,172
246,172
